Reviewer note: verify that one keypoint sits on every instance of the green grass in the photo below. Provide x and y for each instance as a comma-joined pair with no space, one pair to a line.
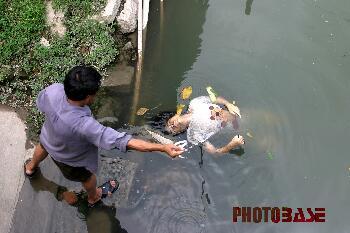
21,24
80,8
85,42
26,66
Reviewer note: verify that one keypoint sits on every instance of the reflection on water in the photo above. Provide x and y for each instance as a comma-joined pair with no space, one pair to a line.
100,219
160,77
248,6
41,208
168,198
285,68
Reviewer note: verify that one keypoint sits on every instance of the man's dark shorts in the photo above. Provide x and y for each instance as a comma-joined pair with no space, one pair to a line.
78,174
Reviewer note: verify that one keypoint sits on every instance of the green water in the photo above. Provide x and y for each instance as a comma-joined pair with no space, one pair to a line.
286,64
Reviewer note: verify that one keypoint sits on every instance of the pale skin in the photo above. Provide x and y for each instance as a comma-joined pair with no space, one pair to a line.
94,193
179,123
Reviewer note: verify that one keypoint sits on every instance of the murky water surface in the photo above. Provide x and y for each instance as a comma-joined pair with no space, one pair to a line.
286,64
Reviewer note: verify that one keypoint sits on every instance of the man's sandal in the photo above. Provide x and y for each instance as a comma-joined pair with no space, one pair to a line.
106,188
30,176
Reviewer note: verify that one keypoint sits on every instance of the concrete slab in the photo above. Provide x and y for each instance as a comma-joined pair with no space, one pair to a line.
13,152
124,172
119,75
39,210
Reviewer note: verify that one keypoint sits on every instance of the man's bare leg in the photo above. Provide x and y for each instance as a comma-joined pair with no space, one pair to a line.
39,155
94,193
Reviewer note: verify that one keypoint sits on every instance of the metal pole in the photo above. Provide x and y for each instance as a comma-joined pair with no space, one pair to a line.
139,34
139,62
161,18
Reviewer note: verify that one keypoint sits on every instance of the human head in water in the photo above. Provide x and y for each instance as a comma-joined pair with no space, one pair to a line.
178,124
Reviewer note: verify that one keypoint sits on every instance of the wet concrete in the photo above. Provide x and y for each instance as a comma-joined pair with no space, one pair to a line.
40,208
119,75
13,151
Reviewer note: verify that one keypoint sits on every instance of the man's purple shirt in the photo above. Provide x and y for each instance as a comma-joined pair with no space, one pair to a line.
70,134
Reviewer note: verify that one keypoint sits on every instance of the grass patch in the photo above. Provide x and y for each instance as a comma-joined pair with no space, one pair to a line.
21,24
80,8
26,66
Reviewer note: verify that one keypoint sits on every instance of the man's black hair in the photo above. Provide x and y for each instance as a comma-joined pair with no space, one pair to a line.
81,81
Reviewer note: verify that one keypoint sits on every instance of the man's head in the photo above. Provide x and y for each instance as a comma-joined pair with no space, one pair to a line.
82,83
177,124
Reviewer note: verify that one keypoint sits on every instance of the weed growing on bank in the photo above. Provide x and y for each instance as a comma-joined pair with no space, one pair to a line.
21,24
79,8
26,66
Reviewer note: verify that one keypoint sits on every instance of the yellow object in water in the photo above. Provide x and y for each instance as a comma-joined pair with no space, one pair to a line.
186,92
179,109
212,94
141,111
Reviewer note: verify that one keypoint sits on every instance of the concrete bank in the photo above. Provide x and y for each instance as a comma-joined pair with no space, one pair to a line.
13,152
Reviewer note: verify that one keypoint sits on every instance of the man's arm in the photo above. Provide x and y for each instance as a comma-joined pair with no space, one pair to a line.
144,146
231,107
108,138
221,100
235,142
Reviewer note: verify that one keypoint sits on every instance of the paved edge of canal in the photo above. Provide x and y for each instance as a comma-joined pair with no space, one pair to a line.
13,153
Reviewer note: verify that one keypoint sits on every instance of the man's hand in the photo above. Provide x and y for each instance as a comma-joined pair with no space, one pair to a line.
141,145
233,109
172,150
237,140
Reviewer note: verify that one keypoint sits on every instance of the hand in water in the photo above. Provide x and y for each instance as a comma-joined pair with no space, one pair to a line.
172,150
237,140
233,109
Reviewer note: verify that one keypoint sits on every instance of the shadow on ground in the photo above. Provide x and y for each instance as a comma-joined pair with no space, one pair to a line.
40,208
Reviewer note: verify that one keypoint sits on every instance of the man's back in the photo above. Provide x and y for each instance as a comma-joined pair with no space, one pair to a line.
60,134
63,120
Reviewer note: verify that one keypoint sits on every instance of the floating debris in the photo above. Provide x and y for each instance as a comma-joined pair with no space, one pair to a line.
186,92
212,94
179,109
269,155
249,134
141,111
